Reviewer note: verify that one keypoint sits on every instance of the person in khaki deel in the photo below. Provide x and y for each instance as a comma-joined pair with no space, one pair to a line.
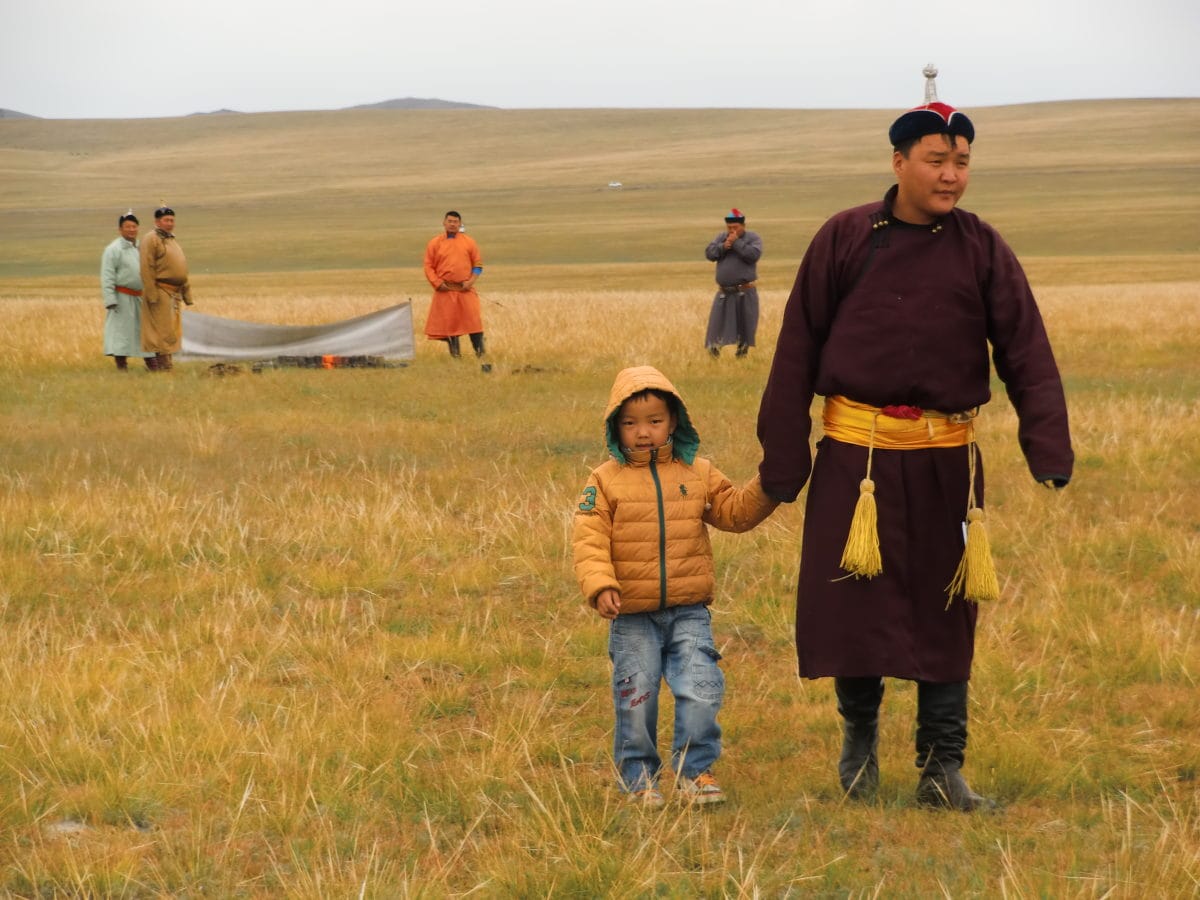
644,562
164,287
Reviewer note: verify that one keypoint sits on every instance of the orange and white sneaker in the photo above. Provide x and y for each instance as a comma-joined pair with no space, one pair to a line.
701,790
649,798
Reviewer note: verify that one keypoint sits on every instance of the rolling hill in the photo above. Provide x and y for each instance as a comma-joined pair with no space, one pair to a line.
364,188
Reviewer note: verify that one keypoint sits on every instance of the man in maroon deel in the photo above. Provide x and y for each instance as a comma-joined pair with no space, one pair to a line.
890,319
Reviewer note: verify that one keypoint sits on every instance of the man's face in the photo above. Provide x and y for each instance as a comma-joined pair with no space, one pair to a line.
737,229
129,230
452,224
932,178
166,223
645,422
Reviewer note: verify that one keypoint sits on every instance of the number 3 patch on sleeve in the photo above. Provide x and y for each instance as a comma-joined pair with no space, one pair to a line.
588,500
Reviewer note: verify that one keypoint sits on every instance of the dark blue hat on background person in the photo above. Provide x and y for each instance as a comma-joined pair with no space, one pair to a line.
163,210
735,215
931,118
128,217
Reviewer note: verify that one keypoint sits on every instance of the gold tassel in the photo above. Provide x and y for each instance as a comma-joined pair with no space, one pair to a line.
861,555
975,577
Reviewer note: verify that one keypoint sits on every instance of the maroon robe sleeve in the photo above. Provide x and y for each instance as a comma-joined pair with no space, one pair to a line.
1025,363
784,417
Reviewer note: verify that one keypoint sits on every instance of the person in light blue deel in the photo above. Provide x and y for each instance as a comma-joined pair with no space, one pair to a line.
121,290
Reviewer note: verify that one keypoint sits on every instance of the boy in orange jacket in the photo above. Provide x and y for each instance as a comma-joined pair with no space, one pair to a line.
644,562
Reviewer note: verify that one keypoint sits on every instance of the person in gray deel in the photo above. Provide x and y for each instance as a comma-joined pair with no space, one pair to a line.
734,315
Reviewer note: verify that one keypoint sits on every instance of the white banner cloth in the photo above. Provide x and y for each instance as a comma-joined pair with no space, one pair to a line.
386,332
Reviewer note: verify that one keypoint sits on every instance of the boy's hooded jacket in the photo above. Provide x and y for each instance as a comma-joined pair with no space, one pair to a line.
641,520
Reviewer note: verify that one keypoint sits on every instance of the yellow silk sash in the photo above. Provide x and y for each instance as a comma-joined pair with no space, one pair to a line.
866,426
909,428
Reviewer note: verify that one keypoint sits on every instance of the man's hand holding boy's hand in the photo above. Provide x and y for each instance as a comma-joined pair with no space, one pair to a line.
608,603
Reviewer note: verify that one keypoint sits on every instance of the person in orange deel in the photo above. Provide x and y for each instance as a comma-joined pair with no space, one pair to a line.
452,265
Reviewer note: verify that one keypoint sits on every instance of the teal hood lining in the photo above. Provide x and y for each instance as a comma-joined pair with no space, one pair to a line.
686,438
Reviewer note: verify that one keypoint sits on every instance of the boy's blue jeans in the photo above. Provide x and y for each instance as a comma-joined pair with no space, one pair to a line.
675,644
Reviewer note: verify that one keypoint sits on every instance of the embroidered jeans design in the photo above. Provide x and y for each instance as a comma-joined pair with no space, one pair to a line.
674,644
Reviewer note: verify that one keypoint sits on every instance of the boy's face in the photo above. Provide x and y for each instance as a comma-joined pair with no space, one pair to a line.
645,422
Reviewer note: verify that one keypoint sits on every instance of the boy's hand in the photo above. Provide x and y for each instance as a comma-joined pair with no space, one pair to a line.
608,603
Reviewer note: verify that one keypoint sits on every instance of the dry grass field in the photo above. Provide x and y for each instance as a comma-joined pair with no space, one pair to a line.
315,634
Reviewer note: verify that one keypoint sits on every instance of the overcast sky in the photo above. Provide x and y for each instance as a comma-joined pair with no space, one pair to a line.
112,59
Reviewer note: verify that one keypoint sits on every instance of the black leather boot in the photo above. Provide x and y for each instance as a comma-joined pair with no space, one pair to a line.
941,746
858,705
455,350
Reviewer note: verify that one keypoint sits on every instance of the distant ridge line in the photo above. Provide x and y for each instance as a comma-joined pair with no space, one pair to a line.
420,103
433,103
397,103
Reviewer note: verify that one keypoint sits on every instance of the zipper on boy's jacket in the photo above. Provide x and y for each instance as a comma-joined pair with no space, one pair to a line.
662,533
